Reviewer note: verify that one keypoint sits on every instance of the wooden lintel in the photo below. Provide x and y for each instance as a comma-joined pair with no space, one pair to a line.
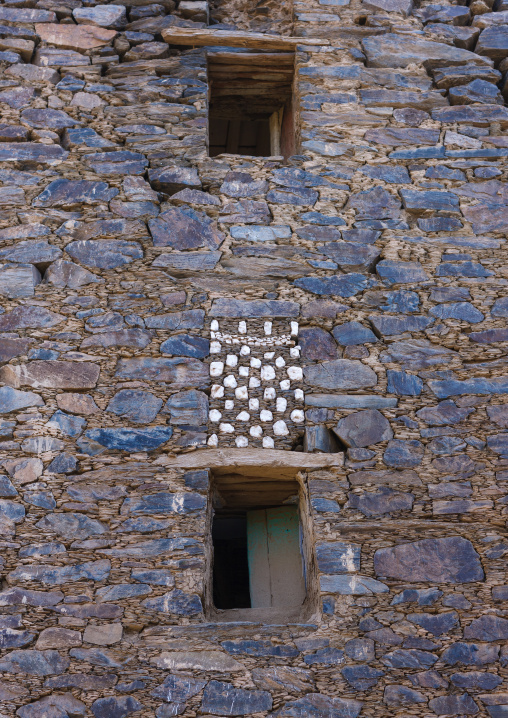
253,462
231,38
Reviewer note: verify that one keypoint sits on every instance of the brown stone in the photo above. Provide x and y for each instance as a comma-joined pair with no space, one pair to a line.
77,403
58,638
52,375
104,634
74,37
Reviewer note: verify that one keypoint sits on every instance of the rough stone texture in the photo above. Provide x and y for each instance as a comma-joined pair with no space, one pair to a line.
160,308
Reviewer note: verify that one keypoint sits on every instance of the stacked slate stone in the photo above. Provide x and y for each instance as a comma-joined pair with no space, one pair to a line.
121,242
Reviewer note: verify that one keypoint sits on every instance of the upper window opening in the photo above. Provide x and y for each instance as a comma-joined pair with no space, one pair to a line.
250,107
258,548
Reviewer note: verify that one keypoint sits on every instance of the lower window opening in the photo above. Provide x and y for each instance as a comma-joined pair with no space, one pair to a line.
258,547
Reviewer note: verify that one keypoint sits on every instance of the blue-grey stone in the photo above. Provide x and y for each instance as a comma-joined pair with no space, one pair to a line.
112,707
383,501
249,647
183,228
360,649
363,428
350,401
70,193
325,505
62,464
175,602
71,525
317,344
389,326
67,424
34,663
446,412
131,439
479,385
7,489
138,406
164,503
10,638
375,203
352,585
12,511
143,525
186,345
445,445
322,219
353,333
58,575
408,658
462,269
325,657
241,308
178,689
444,560
487,628
340,374
421,596
187,319
83,136
224,699
155,547
500,307
119,591
104,253
403,384
436,624
338,557
454,705
121,162
44,549
96,657
188,408
439,224
154,577
394,272
361,678
398,696
41,499
352,256
476,680
464,311
403,454
422,200
391,175
470,654
498,443
316,705
259,233
341,285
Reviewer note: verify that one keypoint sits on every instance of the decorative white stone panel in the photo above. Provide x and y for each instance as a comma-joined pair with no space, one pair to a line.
260,400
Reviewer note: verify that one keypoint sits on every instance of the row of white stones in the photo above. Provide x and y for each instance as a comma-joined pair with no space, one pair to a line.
266,374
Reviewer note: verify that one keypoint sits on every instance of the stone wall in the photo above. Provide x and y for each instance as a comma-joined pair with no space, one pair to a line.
128,262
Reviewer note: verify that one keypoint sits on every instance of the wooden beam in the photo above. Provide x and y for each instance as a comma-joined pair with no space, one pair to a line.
230,38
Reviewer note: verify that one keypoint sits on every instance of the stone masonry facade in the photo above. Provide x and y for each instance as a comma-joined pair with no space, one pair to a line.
337,315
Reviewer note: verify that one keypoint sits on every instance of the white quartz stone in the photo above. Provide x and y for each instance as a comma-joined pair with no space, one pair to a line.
267,373
242,327
285,384
279,362
245,350
216,368
215,347
295,373
215,415
231,360
241,442
254,382
227,428
242,393
269,355
217,391
268,328
294,328
213,440
269,393
280,428
230,381
299,395
256,431
229,404
254,404
265,415
294,352
297,416
281,404
255,363
243,371
268,442
243,416
214,326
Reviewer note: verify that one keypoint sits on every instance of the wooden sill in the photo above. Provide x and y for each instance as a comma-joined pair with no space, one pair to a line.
230,38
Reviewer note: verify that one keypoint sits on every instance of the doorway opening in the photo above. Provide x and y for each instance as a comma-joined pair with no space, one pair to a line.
259,547
250,103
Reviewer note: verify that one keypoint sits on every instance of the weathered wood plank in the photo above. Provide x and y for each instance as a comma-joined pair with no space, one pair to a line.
228,38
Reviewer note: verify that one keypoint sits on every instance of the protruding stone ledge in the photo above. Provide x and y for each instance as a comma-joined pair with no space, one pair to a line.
284,464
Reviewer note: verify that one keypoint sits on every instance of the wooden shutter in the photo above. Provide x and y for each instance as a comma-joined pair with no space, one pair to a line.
275,561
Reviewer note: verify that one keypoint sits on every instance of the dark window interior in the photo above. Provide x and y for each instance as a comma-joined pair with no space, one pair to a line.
230,567
248,90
